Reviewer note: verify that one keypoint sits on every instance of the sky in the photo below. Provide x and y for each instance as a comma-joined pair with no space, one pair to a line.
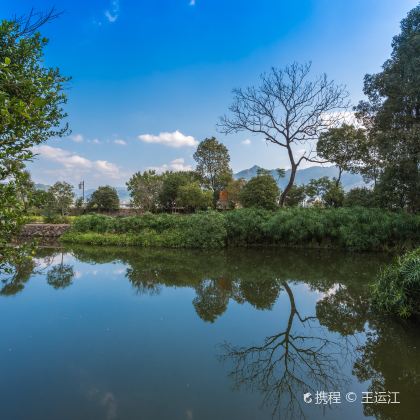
150,78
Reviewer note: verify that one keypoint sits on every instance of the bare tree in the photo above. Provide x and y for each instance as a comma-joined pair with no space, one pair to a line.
30,23
288,108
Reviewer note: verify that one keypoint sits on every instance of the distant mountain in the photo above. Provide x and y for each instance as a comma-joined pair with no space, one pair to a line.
42,187
303,176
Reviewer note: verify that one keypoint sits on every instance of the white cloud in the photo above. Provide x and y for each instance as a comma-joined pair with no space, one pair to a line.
192,3
120,142
113,12
175,139
96,141
73,165
175,165
77,138
246,142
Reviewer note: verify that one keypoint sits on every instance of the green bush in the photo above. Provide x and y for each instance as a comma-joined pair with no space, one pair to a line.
397,289
201,230
260,192
357,229
247,226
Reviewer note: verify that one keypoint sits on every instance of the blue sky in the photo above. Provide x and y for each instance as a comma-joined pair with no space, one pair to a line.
151,78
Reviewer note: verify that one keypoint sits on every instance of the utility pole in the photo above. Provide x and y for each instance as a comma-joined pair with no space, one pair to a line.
82,187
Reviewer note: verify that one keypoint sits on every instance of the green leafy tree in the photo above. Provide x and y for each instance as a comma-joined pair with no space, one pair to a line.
360,197
145,189
326,190
213,159
31,100
344,146
172,181
61,197
192,197
39,200
233,189
261,192
104,199
296,196
392,115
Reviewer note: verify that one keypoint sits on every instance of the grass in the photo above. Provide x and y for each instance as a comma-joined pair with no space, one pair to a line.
356,229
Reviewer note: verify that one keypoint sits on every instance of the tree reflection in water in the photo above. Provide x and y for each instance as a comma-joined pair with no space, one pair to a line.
288,364
58,275
302,356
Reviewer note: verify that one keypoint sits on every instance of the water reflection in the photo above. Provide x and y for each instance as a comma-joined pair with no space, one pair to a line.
295,360
306,352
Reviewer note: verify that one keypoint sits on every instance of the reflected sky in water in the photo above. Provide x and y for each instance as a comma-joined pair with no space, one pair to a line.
103,333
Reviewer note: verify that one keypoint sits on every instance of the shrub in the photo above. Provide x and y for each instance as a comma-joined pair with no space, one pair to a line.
360,197
247,226
357,229
397,288
260,192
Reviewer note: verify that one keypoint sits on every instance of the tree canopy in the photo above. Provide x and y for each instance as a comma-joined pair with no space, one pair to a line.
105,198
261,192
31,111
213,159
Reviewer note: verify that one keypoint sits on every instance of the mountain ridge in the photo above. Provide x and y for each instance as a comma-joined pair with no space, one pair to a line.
303,176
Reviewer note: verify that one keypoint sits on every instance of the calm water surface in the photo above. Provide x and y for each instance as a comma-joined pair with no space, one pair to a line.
98,333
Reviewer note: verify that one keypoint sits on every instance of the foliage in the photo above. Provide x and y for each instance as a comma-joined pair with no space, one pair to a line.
296,196
397,288
104,199
233,189
31,95
328,191
60,198
360,197
261,192
193,198
356,229
213,159
39,200
344,146
200,230
172,181
144,189
392,114
31,99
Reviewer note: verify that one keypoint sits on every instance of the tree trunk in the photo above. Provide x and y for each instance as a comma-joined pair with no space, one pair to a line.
289,185
340,171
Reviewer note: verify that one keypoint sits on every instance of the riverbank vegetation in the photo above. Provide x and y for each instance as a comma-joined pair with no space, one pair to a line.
354,229
397,288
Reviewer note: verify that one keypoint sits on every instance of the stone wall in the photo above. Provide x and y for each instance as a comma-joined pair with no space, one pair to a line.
43,230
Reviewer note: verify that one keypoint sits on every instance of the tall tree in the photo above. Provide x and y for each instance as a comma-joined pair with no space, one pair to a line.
288,108
213,159
344,146
144,189
393,112
31,111
104,199
172,182
61,197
